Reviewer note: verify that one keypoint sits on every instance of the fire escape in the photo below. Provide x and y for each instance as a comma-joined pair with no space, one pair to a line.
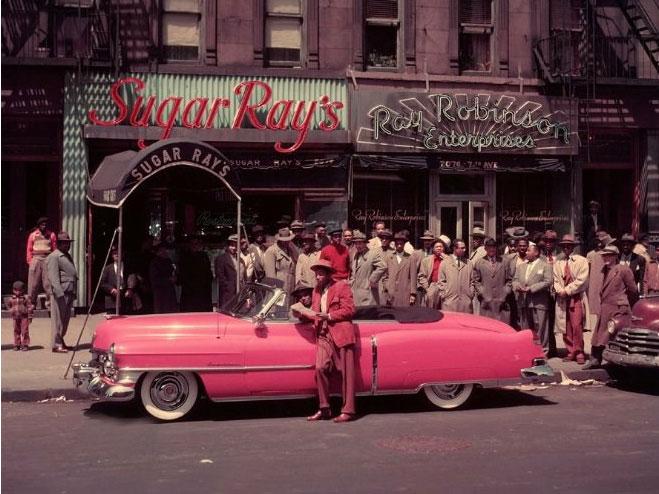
60,32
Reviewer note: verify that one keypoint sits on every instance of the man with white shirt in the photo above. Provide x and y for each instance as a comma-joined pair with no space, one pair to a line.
128,287
531,285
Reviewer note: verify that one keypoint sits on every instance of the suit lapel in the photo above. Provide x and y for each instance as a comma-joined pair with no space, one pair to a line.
612,274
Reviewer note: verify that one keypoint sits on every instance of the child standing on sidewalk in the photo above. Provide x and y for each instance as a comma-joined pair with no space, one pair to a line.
20,307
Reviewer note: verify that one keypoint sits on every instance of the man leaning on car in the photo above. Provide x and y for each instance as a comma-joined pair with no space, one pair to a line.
334,306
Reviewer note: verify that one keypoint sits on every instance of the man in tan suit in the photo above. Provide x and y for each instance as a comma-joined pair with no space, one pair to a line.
570,285
308,256
428,278
278,261
455,288
531,285
367,268
400,280
595,276
618,294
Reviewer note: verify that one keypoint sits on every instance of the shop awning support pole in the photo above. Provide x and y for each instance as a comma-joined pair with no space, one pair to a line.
119,261
238,214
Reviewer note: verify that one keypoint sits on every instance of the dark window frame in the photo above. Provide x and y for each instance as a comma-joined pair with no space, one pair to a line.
384,22
477,28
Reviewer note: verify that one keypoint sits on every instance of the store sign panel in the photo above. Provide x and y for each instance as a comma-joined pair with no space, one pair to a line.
464,123
255,109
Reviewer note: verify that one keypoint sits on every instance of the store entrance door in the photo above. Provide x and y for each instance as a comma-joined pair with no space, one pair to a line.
457,219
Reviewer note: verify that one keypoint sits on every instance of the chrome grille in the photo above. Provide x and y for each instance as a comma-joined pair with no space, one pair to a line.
636,341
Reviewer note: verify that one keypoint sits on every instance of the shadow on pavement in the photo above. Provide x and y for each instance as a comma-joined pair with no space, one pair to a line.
641,381
31,347
207,410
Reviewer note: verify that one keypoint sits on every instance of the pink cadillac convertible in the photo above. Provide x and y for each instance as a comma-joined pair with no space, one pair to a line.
252,350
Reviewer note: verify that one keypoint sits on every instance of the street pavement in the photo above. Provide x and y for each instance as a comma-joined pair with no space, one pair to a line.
553,439
39,373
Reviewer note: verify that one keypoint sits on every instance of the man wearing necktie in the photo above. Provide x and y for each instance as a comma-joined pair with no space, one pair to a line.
63,277
492,282
455,288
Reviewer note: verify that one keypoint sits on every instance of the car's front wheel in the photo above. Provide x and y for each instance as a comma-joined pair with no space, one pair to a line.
448,396
169,395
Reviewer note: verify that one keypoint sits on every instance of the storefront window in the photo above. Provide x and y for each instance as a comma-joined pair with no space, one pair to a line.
397,198
462,184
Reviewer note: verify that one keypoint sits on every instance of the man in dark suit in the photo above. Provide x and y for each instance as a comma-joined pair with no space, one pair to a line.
111,283
227,269
531,286
335,340
633,261
63,277
617,295
593,221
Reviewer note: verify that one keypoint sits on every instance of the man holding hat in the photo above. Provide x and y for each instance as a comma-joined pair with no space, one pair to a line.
571,284
279,261
335,341
40,243
301,308
366,270
617,295
633,261
338,254
63,278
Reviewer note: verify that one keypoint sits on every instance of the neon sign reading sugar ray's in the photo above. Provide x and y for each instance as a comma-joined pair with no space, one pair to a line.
468,122
202,112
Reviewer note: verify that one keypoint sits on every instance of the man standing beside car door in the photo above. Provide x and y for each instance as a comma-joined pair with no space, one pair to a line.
333,304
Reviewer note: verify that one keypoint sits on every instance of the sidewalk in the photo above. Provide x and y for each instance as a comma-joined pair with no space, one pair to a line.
38,374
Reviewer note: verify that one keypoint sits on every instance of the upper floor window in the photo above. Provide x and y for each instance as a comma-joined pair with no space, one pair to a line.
381,34
283,33
476,28
181,30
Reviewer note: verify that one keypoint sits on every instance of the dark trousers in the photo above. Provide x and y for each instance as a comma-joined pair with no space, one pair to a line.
22,332
329,357
60,314
573,337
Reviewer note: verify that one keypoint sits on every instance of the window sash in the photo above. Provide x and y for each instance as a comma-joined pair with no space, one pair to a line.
181,29
183,6
286,7
475,12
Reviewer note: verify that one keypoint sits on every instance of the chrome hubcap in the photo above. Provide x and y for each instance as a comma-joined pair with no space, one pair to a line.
169,391
447,391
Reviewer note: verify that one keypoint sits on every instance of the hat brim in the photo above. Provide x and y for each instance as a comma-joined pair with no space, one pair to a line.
316,267
301,290
568,242
607,253
279,238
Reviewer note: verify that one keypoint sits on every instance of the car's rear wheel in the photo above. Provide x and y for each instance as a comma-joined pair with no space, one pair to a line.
169,395
448,396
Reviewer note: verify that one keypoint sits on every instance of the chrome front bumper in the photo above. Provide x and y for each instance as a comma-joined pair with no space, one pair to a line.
631,360
101,387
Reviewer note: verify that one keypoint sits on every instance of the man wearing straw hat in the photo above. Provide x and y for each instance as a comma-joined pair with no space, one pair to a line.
63,278
571,285
279,260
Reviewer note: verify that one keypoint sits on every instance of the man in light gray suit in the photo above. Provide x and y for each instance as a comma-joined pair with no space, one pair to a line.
367,268
63,278
531,285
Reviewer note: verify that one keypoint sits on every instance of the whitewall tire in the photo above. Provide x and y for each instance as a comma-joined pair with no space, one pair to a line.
169,395
448,396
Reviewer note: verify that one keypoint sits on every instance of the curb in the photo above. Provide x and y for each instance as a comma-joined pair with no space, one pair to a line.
602,375
44,394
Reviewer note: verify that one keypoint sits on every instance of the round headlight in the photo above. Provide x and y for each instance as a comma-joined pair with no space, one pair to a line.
611,326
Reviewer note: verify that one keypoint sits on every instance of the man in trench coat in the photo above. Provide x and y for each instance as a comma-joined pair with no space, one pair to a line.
618,294
366,270
278,260
428,277
492,280
455,288
401,278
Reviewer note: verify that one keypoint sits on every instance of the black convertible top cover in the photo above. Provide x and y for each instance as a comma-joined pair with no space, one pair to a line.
400,314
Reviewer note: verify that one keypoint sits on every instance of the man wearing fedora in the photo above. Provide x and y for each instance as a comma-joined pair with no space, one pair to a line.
617,295
633,261
258,248
227,270
63,277
301,298
516,256
278,260
595,276
366,270
427,239
333,304
40,242
571,285
307,258
337,253
476,252
297,227
492,280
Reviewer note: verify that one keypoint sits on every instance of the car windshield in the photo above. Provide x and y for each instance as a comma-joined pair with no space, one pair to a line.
249,301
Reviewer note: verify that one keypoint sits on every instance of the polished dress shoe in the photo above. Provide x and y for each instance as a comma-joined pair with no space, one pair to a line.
592,364
322,414
59,349
344,417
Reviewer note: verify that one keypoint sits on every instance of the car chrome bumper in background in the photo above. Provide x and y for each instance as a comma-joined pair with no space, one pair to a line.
103,388
631,360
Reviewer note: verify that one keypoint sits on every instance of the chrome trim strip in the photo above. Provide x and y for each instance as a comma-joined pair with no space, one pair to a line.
263,398
252,368
374,373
